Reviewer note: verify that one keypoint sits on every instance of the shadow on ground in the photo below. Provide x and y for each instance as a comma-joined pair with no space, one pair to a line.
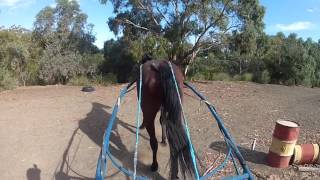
94,126
255,157
33,173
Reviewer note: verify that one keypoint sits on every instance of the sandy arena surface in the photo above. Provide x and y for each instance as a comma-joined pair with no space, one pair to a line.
55,132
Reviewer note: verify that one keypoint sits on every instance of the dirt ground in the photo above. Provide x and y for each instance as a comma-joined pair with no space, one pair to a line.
55,132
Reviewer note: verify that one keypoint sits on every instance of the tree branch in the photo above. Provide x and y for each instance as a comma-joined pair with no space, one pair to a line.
163,16
127,21
197,45
175,4
149,11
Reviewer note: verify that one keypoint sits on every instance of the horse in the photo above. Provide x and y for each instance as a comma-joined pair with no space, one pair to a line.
148,57
159,91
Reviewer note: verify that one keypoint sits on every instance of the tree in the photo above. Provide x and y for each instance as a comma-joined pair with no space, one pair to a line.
67,23
119,59
67,43
18,55
58,65
44,26
189,26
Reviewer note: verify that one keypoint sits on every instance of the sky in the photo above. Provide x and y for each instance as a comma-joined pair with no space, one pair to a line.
289,16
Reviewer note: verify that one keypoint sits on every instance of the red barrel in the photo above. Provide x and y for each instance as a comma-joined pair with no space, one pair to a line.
284,139
318,161
306,154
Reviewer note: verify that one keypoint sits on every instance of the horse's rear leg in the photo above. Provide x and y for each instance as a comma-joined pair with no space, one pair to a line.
174,166
142,126
149,124
163,126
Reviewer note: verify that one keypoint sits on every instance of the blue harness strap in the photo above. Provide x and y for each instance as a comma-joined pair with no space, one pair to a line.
137,126
228,139
105,154
192,153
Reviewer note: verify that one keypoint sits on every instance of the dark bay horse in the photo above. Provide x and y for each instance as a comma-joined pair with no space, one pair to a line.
159,90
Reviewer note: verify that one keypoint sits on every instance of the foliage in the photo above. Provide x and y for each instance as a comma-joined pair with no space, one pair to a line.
18,55
247,77
67,43
265,77
58,65
277,59
58,49
207,22
120,59
219,40
105,79
80,81
95,80
7,80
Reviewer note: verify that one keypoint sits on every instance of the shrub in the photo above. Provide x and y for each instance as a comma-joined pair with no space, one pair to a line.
7,81
290,82
220,77
247,77
80,81
105,80
58,65
265,77
237,77
198,76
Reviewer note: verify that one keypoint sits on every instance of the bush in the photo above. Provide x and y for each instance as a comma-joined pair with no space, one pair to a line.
265,77
220,77
58,65
7,81
80,81
247,77
290,82
198,76
105,80
32,73
237,77
243,77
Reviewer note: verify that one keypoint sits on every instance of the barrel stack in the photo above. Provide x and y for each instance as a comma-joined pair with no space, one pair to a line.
284,139
306,154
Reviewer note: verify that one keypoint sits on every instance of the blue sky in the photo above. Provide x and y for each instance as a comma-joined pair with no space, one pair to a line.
293,16
23,12
298,16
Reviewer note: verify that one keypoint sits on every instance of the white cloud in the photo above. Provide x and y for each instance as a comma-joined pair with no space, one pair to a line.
296,26
9,2
310,10
15,3
75,0
53,5
313,10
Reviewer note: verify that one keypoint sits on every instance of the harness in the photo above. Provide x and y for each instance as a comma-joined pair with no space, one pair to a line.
233,151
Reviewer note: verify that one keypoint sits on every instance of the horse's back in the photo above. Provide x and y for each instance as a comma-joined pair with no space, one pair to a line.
151,81
151,78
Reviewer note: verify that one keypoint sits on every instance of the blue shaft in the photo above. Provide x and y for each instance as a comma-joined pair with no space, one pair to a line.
240,177
224,130
192,153
102,161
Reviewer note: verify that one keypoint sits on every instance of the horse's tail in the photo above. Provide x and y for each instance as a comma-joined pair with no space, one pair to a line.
177,137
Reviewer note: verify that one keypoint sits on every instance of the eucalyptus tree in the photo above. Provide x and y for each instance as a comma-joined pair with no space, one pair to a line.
67,41
188,26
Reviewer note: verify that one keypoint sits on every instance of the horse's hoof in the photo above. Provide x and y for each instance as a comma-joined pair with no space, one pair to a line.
164,143
154,167
141,127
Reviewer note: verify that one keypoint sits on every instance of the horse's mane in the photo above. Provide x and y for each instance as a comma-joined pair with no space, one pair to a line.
146,57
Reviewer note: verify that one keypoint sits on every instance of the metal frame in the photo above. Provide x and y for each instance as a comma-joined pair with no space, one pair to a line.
233,149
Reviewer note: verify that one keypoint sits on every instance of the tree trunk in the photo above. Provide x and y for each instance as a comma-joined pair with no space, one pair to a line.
240,66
